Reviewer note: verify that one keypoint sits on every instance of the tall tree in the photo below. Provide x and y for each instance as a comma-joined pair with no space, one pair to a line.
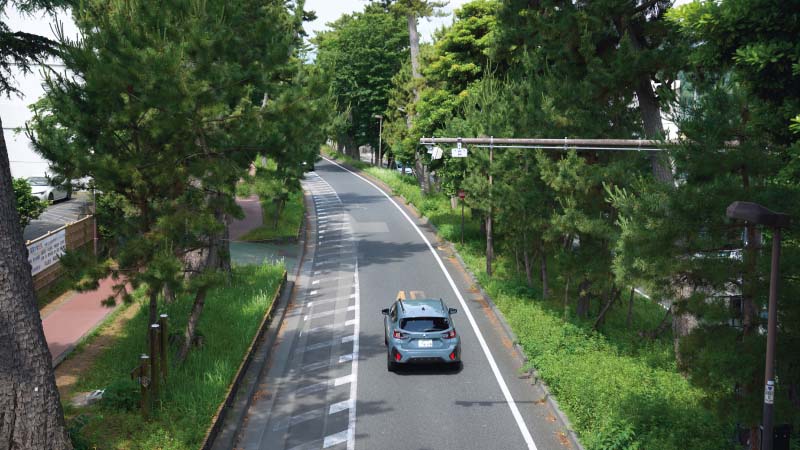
360,55
30,409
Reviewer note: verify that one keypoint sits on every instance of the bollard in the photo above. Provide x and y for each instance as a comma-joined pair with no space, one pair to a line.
154,371
142,374
162,321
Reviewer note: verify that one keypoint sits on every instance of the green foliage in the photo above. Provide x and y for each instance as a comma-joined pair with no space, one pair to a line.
360,55
121,395
289,221
194,390
29,207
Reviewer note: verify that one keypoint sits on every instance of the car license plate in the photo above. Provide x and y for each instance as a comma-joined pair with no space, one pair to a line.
425,343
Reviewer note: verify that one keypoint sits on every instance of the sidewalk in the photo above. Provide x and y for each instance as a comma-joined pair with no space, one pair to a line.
81,312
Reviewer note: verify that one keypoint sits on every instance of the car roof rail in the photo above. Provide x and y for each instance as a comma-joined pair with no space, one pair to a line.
401,304
442,302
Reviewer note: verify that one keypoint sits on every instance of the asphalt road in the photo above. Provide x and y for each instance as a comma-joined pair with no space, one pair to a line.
57,215
327,385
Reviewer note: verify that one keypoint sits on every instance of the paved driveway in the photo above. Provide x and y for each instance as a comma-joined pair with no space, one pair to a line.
58,215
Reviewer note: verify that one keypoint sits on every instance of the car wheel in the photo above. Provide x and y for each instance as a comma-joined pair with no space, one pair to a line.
68,196
391,366
456,366
385,339
50,198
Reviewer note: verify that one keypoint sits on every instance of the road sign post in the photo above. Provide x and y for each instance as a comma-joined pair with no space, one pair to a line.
462,195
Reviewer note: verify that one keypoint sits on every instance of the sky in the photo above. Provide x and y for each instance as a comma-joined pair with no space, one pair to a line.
330,10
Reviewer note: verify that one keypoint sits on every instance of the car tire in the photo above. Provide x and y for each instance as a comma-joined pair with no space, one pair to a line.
391,366
50,198
456,366
385,339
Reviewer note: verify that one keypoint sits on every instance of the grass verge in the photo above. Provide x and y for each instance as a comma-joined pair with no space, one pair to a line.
288,225
619,390
194,390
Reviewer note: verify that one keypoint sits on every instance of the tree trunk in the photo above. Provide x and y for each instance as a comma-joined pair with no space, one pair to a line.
653,128
629,318
191,326
543,255
527,259
413,38
30,408
612,297
584,299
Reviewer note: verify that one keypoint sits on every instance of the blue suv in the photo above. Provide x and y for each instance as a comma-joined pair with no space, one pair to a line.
420,331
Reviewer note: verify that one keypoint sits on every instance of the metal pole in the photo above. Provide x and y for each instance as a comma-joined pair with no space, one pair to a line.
772,323
154,373
94,220
380,141
144,382
462,221
162,321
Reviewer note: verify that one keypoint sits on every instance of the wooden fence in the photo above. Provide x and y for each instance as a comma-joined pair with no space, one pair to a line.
78,234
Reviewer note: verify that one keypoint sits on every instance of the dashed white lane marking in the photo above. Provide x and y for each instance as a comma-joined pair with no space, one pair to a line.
326,344
315,282
512,405
316,387
313,303
331,326
340,406
335,439
327,313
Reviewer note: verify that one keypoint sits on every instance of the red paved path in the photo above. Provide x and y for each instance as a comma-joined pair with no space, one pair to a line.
77,316
253,217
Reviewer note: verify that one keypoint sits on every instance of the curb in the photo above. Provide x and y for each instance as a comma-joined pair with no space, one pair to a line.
519,352
218,435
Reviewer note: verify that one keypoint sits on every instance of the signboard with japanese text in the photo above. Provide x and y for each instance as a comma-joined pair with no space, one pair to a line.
45,252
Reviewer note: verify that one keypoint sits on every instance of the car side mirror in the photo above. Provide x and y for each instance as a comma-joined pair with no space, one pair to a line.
385,311
452,310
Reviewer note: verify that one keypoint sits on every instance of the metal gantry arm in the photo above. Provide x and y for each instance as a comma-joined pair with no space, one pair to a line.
553,144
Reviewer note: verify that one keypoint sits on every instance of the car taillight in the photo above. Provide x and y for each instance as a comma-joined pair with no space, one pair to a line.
398,335
450,334
398,356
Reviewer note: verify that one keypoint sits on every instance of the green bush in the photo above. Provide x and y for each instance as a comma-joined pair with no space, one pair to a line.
121,395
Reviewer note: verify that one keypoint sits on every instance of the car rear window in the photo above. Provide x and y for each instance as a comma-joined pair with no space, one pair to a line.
424,324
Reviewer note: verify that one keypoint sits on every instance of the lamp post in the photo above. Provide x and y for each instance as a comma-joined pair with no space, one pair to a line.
757,214
380,137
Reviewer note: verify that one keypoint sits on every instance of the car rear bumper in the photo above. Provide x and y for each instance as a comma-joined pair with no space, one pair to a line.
417,356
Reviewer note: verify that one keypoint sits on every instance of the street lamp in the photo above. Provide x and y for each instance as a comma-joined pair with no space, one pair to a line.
380,137
757,214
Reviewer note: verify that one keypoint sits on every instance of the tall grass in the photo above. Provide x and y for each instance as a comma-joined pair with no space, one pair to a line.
195,390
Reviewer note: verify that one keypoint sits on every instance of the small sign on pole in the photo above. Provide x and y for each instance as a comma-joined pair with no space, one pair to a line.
462,194
459,153
769,393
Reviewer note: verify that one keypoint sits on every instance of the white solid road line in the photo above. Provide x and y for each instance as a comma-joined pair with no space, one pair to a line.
526,434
